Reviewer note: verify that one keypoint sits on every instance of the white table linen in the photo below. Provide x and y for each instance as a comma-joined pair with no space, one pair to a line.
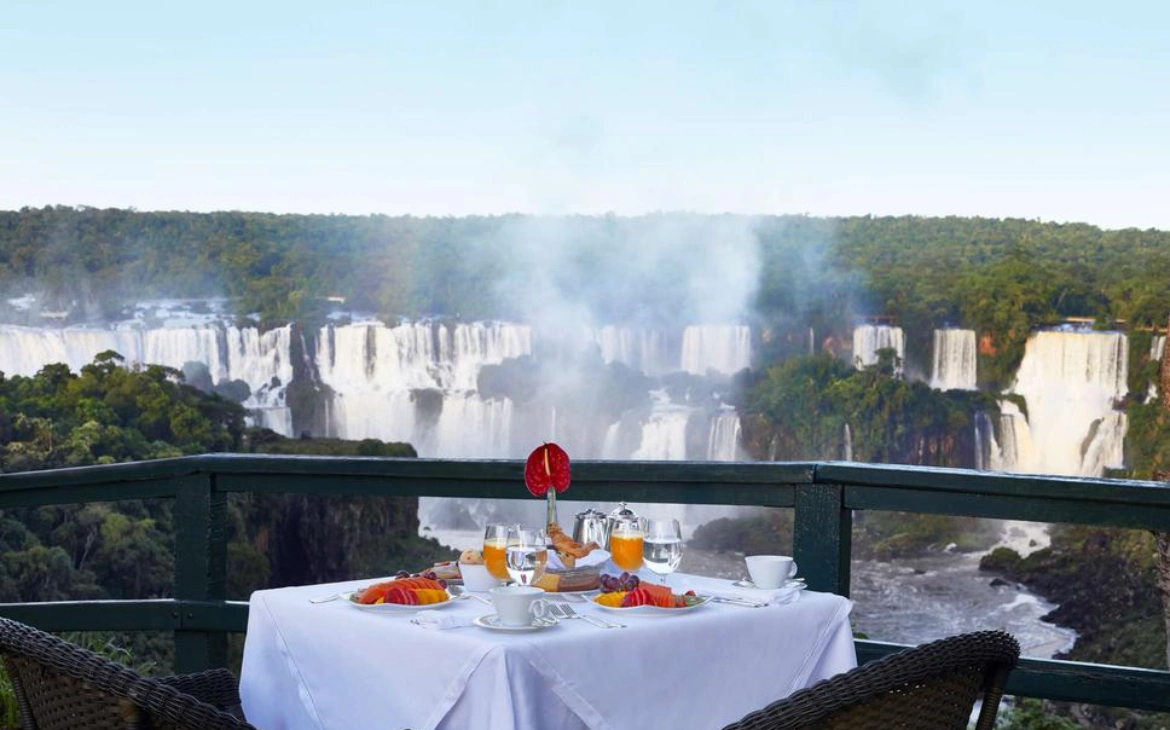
333,667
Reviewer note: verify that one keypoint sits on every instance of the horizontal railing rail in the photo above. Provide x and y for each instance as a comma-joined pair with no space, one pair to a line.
823,495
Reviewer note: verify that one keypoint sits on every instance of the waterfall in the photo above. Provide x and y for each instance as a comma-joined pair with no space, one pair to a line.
664,431
380,376
954,360
640,349
471,427
848,444
612,446
230,353
726,349
869,338
1071,381
1103,449
1157,345
723,438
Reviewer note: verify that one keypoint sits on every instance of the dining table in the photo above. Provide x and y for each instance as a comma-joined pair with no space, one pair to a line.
334,666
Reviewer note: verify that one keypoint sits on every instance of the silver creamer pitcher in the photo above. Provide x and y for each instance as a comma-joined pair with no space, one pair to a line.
589,526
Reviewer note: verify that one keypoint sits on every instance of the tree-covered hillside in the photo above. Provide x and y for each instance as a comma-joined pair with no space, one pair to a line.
1000,277
108,413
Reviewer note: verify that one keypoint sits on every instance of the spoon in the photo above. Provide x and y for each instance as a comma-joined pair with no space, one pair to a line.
458,592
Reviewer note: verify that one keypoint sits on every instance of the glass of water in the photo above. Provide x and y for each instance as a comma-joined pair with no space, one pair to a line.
527,555
662,547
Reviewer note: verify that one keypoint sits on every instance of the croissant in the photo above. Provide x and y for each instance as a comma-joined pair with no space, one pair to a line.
566,545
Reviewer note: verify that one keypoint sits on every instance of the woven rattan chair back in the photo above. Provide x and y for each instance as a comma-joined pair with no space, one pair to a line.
60,686
931,687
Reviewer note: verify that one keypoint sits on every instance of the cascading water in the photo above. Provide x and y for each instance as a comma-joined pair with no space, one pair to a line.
380,377
725,349
1157,345
1013,450
1071,380
640,349
230,353
954,360
723,440
869,338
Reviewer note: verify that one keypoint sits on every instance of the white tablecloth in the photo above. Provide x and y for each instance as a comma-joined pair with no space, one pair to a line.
331,666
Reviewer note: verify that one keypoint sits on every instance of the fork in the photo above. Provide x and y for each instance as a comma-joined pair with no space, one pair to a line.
564,610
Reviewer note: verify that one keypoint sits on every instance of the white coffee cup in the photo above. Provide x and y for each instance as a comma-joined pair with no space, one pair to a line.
477,578
518,605
770,571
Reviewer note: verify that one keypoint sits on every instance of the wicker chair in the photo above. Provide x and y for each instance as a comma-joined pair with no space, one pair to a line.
60,686
933,686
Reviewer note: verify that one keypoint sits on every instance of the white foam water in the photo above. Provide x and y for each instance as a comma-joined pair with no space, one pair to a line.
954,361
869,338
1072,382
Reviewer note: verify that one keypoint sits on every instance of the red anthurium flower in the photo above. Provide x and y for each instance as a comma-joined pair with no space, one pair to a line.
547,466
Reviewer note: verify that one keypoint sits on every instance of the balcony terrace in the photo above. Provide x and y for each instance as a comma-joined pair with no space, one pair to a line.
824,497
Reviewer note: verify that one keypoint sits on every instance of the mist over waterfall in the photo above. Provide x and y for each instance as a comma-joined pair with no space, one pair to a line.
954,360
724,349
1072,382
647,350
869,338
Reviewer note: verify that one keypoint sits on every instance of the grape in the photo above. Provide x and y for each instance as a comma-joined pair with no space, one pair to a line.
442,583
402,574
633,582
430,575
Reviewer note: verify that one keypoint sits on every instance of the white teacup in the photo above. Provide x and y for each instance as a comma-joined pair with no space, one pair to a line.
519,605
477,578
770,571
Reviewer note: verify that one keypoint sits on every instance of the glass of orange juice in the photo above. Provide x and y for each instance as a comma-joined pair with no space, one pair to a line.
625,544
495,543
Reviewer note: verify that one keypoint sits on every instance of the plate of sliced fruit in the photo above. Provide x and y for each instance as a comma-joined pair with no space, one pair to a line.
406,593
629,595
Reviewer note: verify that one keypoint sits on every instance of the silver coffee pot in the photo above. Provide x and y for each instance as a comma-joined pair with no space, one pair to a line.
590,526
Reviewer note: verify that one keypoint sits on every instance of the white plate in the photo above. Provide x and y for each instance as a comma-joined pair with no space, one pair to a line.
492,621
585,592
396,607
654,610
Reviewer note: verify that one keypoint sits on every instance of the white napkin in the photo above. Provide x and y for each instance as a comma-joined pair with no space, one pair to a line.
596,557
721,588
431,620
756,595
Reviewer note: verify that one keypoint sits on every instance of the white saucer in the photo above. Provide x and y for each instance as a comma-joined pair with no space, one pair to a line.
790,584
492,621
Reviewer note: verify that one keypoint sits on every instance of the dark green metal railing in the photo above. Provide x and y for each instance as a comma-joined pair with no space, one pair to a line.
824,496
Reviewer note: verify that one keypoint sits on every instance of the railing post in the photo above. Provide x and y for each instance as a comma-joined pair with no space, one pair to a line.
200,568
822,537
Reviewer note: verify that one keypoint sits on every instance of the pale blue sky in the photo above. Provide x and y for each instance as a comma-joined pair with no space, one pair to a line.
1056,110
